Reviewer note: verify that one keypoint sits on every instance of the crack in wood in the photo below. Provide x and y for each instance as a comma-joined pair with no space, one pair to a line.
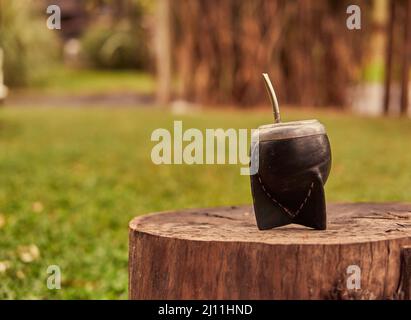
386,216
217,216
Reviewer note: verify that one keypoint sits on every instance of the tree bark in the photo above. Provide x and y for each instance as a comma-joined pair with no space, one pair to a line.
405,284
220,254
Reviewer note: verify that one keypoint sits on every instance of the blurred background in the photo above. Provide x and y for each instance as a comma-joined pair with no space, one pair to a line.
209,52
78,105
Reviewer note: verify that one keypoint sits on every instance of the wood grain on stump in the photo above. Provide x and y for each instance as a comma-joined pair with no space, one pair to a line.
220,254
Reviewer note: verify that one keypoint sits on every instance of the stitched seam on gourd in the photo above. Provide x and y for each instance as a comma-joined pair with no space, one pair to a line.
291,214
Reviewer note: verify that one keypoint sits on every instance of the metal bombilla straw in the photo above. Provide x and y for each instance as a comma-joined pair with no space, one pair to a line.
273,98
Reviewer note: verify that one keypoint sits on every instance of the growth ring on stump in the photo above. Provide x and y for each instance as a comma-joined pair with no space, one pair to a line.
220,254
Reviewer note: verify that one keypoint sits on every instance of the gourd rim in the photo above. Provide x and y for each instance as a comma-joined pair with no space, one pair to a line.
289,130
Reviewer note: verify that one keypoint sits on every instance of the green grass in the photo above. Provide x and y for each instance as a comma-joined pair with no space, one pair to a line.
71,179
65,81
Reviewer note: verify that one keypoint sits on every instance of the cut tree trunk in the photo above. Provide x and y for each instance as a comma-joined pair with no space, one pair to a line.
220,254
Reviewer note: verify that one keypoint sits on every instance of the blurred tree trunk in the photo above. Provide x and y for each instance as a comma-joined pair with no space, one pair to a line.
222,47
379,40
406,53
389,56
398,53
163,51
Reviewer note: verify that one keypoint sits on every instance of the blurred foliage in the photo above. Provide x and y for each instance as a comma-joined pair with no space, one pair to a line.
121,46
137,6
373,72
117,41
29,46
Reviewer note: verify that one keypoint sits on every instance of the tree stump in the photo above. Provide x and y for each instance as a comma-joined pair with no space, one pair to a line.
220,254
